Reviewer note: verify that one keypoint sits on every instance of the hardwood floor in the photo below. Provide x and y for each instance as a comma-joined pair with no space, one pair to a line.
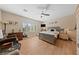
35,46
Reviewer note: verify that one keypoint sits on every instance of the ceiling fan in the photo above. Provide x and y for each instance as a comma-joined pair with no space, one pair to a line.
43,13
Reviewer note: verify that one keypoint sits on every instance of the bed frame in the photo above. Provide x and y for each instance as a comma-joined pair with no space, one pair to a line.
50,38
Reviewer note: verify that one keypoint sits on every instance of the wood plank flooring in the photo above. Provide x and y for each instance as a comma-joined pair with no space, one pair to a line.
35,46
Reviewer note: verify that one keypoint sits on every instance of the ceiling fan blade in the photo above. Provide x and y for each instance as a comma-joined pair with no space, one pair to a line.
45,14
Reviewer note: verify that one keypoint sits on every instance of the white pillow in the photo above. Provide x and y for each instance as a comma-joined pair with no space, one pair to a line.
51,29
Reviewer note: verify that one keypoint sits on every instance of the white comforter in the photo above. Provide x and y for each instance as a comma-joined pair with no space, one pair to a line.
55,33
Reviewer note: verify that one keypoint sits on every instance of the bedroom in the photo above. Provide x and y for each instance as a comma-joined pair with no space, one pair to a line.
57,35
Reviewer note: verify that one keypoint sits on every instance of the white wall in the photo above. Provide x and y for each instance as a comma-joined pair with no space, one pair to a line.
11,17
6,16
36,25
0,20
77,17
64,22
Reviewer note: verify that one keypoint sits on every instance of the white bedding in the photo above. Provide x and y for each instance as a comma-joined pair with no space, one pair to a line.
55,33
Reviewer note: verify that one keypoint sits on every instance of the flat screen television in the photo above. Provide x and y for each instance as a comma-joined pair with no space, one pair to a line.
43,25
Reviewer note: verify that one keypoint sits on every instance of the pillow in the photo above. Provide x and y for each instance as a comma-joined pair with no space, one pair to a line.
52,30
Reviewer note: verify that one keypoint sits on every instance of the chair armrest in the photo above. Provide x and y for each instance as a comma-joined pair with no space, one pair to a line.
7,40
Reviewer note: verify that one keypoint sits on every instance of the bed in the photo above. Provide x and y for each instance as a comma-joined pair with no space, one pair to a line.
51,35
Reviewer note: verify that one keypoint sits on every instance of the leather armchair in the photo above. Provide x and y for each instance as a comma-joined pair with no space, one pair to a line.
7,43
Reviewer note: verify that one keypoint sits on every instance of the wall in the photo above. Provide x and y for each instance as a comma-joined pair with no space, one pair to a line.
11,17
35,25
64,22
0,20
6,16
77,18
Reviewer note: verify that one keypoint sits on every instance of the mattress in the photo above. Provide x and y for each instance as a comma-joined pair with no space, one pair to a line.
54,33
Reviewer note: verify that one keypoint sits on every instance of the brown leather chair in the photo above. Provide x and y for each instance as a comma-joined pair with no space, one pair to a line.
8,43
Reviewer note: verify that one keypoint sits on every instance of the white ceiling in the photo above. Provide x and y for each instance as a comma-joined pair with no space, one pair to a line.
34,10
